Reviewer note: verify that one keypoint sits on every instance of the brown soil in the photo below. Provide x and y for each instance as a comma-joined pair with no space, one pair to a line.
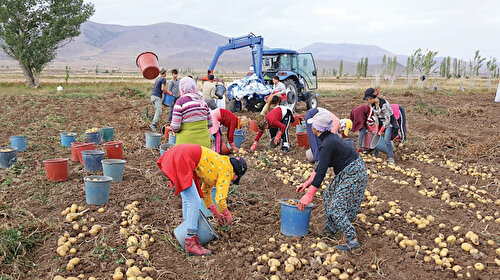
439,127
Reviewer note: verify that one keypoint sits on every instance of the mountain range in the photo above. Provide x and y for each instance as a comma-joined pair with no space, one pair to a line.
184,46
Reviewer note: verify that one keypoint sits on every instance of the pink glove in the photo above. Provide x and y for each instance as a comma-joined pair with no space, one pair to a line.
381,131
254,146
304,186
234,148
216,213
227,219
277,137
307,198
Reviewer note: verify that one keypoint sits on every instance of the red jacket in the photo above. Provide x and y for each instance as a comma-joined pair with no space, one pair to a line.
229,120
178,164
274,119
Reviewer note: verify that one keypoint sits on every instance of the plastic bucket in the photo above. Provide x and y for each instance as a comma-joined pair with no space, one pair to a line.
19,142
113,168
67,138
367,140
83,147
97,189
114,149
56,169
172,139
74,154
240,135
206,232
8,156
204,209
168,99
302,139
148,63
301,128
153,139
107,134
165,147
93,137
293,221
378,143
254,126
349,142
92,160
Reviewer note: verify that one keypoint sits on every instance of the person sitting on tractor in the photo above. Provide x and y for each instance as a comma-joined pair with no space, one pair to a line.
279,89
188,165
277,121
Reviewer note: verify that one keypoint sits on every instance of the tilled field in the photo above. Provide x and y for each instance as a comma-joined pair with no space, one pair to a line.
435,214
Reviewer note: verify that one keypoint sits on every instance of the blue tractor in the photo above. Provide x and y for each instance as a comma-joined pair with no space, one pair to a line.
296,70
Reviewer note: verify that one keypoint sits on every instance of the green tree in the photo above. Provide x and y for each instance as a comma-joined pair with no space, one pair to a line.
442,68
456,73
474,65
424,64
447,72
31,31
383,67
365,67
341,68
359,68
392,63
491,66
411,65
66,78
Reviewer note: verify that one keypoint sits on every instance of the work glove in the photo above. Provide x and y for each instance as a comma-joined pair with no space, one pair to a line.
227,219
304,186
278,137
254,146
359,151
234,148
216,213
381,131
307,198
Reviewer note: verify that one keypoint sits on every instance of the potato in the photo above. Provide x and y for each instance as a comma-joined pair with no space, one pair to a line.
322,278
74,261
273,262
72,251
275,277
497,251
479,266
73,208
130,262
343,276
289,268
101,210
58,277
133,271
466,247
61,241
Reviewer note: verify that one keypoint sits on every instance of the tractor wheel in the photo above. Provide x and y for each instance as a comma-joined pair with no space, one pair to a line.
233,106
254,105
292,96
312,102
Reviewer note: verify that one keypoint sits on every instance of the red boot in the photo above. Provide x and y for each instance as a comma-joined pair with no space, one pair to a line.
193,247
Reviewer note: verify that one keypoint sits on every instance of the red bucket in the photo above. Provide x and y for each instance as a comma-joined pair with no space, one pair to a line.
83,147
56,169
114,149
296,120
74,155
367,140
254,126
148,63
302,139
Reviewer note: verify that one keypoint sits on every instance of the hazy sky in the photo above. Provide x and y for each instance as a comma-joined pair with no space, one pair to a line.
451,27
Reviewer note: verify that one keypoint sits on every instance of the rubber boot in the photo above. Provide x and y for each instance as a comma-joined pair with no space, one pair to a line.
193,247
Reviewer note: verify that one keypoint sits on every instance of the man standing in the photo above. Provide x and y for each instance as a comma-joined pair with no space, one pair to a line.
156,97
173,90
209,92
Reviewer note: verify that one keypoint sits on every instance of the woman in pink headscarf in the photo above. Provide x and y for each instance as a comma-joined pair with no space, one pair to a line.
191,118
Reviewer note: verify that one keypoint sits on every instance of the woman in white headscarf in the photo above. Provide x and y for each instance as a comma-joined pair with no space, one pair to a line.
191,118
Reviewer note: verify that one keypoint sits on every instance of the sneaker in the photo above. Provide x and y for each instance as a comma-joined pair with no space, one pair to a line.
153,127
348,246
390,160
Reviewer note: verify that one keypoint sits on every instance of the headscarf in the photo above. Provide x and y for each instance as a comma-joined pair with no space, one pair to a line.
188,87
321,121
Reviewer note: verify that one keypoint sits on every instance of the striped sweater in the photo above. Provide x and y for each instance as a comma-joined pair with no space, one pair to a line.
187,110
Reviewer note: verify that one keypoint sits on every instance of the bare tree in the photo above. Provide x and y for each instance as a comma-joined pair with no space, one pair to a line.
462,71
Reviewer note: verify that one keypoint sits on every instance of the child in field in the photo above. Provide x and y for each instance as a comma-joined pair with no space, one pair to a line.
228,119
173,90
156,97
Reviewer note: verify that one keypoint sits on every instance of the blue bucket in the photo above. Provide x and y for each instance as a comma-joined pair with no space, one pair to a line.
204,209
206,232
168,99
300,128
349,142
93,137
293,221
113,168
172,139
240,135
92,160
165,147
8,156
97,189
19,142
107,134
67,138
378,144
153,139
